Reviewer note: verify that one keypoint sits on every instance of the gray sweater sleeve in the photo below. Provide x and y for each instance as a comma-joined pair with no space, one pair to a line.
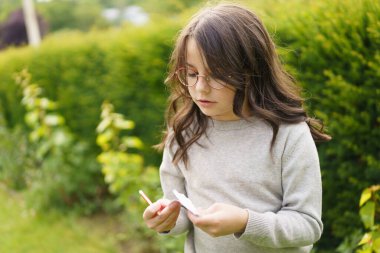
172,178
298,222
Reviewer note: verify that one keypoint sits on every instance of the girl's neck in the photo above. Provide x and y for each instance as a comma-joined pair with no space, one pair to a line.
226,125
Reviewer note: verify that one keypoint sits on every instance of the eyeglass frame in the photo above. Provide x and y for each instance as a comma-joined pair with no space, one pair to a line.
206,77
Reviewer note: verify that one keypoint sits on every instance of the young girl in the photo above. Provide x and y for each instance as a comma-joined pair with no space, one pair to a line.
239,144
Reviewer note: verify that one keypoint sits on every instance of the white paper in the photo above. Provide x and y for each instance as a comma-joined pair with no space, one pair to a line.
186,202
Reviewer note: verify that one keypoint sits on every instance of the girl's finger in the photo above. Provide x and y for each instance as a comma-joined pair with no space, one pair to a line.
162,213
170,220
152,210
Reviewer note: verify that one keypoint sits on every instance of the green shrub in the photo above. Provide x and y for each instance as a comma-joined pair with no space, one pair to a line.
337,60
124,171
62,173
14,157
79,71
370,215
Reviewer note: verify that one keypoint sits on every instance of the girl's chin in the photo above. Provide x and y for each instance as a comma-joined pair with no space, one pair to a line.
208,113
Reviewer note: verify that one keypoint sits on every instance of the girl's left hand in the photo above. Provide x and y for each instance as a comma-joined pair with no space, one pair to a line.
221,219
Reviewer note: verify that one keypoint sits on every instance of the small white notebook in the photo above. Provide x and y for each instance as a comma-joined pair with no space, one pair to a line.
186,202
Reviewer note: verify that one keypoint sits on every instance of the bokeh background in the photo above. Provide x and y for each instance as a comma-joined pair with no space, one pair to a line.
79,114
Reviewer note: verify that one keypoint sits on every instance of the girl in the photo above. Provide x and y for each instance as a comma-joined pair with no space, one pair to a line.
239,145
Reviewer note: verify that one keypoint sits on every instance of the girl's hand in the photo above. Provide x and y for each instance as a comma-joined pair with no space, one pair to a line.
162,215
221,219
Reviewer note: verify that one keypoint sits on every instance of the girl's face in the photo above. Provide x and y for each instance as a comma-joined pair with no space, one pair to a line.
215,103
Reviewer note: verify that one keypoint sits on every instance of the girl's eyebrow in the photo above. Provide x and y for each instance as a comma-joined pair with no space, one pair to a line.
190,65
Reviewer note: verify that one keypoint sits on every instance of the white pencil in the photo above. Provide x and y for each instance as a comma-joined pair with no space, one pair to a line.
145,197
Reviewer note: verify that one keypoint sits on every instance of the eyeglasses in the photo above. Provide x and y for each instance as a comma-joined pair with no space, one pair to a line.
189,78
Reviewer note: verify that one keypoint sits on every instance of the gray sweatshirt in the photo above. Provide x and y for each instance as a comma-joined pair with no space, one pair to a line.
234,165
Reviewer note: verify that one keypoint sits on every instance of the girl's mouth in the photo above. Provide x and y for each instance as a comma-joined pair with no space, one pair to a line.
205,103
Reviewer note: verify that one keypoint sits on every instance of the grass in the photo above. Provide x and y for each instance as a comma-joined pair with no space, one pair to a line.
21,231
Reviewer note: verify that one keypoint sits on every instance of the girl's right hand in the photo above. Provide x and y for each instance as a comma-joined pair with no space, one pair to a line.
162,215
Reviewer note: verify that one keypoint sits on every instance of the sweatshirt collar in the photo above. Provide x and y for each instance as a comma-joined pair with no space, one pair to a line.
226,125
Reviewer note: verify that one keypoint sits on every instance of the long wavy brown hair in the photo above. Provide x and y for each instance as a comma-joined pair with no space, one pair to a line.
239,51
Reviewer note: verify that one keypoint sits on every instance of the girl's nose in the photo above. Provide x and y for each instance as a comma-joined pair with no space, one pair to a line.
202,84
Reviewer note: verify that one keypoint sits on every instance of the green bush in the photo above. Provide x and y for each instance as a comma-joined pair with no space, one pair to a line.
14,157
79,71
370,215
80,15
62,174
336,58
124,171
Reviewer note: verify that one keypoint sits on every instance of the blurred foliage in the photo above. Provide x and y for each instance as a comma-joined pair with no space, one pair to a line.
336,58
123,168
52,231
80,71
62,14
369,242
7,6
126,174
14,157
370,215
168,7
85,15
350,243
72,14
63,175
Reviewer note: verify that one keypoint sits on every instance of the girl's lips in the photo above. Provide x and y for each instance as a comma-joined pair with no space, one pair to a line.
205,103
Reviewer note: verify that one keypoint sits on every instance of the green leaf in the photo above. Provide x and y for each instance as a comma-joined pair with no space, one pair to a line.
376,245
132,142
122,157
45,103
60,138
109,177
103,125
124,124
54,120
31,118
366,195
365,239
367,214
122,173
43,149
107,109
34,136
366,250
105,157
102,141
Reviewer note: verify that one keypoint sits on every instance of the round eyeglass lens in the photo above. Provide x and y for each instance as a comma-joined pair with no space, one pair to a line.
189,77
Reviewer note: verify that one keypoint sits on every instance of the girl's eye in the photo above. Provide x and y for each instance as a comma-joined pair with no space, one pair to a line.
191,74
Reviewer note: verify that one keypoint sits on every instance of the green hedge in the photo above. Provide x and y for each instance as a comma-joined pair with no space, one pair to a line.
126,67
337,60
